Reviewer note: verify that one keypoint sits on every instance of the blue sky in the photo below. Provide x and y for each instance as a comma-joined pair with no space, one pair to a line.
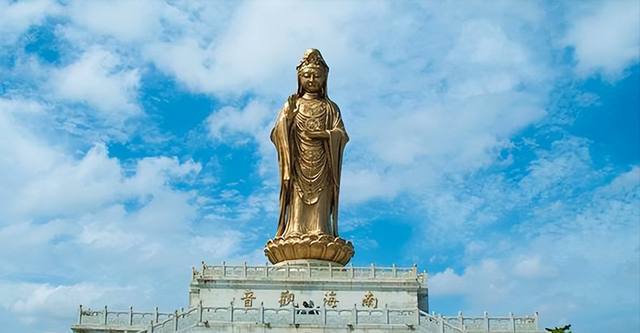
494,144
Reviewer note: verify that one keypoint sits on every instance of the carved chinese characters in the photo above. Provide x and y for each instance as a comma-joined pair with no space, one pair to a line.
330,299
248,298
286,298
369,301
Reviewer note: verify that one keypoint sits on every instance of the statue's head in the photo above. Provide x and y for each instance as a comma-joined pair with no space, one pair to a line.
312,73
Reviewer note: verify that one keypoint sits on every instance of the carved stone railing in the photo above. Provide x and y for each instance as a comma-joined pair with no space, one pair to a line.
486,323
306,271
290,315
437,323
120,318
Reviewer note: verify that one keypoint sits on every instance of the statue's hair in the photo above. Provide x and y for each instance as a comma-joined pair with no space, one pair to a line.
312,58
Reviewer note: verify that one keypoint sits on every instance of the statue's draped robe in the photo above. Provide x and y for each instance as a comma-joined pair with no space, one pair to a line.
309,168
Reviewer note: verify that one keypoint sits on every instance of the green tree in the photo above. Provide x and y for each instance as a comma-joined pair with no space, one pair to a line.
565,329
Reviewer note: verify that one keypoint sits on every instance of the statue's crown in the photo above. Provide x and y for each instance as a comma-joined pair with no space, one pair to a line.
312,59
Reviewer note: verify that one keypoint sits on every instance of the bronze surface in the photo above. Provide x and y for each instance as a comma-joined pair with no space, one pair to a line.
310,137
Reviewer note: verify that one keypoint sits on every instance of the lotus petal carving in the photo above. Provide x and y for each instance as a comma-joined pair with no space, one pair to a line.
309,246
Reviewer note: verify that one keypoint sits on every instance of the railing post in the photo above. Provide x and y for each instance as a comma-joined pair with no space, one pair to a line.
157,315
231,312
417,316
323,312
461,319
394,271
385,312
288,273
80,315
244,269
175,321
354,314
293,311
130,315
486,321
266,269
373,271
415,270
104,315
261,312
352,270
535,316
512,323
224,269
308,269
441,322
150,326
200,311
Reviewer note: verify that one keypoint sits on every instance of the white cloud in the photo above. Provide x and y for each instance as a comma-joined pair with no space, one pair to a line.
448,102
127,21
184,59
31,302
100,80
564,266
239,126
29,299
606,37
22,154
231,124
113,245
72,187
534,268
149,169
18,16
255,34
361,185
486,281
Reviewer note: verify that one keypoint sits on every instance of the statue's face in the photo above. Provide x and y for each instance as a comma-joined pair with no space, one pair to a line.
312,79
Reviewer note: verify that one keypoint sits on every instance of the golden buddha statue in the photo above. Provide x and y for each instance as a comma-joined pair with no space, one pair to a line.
309,136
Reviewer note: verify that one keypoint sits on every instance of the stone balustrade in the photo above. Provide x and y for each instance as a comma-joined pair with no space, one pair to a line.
159,322
120,318
306,271
286,316
494,324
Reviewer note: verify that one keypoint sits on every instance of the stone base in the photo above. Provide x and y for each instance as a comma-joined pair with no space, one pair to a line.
302,296
315,247
309,280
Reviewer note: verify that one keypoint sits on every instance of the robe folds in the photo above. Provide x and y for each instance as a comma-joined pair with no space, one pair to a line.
310,169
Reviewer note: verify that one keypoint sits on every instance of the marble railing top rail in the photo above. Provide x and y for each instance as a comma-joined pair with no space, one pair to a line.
486,316
307,271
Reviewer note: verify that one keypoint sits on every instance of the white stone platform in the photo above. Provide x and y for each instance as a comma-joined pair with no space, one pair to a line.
314,282
301,297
